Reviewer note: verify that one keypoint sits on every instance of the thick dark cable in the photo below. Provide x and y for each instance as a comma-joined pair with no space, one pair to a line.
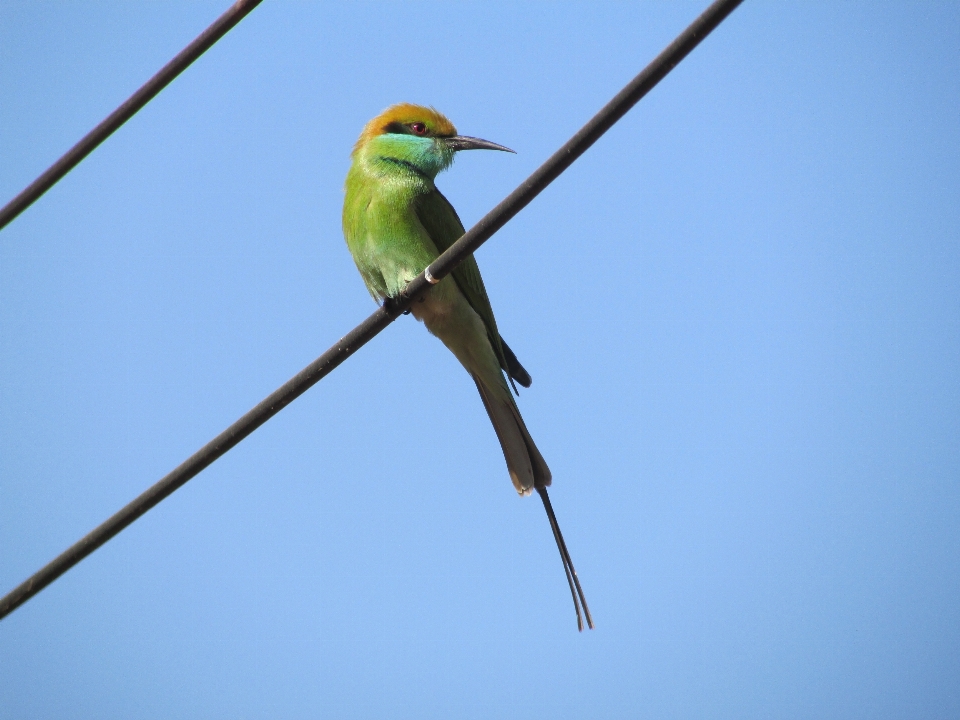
577,145
385,315
118,117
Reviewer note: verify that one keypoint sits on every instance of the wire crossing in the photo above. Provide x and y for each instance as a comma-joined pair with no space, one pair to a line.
149,90
387,313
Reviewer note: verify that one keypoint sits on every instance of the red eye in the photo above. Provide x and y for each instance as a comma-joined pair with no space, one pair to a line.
419,128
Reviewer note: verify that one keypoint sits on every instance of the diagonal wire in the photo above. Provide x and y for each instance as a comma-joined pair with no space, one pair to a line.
203,42
387,313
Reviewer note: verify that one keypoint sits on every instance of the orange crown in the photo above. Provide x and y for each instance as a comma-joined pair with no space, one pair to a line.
405,114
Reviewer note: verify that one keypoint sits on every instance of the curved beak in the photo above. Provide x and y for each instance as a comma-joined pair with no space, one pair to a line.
462,142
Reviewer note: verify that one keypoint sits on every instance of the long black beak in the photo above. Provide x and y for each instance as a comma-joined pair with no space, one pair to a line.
462,142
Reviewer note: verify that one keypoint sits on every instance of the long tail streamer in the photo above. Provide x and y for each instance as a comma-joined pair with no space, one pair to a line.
572,580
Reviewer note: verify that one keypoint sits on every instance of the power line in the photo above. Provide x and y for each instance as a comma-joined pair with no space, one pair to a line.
387,313
203,42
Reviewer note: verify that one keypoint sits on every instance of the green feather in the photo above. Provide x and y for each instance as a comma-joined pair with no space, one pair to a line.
443,226
396,223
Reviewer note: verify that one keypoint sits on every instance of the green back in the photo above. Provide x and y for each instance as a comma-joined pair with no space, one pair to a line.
442,224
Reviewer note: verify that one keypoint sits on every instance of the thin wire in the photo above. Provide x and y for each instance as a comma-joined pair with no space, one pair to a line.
203,42
386,314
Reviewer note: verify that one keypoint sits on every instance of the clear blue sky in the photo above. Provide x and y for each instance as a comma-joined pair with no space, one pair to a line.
741,310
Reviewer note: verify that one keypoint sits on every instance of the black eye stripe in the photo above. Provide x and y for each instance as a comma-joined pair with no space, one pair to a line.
398,128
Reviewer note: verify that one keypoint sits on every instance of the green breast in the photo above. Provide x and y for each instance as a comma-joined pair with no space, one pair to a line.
384,235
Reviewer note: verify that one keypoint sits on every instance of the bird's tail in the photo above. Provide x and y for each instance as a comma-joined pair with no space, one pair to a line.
527,468
529,471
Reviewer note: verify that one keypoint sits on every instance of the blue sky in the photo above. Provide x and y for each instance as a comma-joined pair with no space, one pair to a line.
741,310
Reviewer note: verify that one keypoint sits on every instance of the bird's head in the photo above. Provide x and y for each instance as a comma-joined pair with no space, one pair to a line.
418,136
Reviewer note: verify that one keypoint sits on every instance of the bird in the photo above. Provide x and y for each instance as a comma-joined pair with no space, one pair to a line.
395,223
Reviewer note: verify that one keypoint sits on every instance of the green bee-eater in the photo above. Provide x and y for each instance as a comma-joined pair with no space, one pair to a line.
396,223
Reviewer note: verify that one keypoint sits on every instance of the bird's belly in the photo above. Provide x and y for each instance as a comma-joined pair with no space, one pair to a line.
392,261
440,306
448,315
